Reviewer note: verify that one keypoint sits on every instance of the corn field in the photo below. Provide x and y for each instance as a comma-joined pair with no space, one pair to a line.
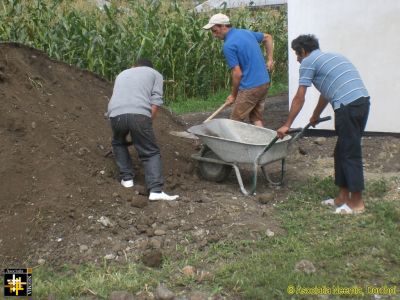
108,40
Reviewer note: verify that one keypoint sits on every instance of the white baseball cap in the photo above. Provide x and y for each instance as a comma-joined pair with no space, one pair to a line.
218,19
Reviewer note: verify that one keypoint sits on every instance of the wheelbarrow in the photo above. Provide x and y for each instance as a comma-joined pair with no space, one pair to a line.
228,143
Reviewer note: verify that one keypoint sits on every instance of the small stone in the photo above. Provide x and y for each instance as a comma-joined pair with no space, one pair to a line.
120,295
139,202
109,256
270,233
41,261
141,244
265,198
198,296
83,248
155,243
204,276
159,232
162,293
105,221
302,151
199,234
305,266
83,151
33,124
141,190
189,271
320,141
152,258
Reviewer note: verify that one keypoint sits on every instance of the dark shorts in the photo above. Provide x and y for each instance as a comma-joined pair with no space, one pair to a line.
250,104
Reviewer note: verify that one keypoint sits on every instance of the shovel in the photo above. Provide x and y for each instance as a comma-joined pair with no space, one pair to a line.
187,135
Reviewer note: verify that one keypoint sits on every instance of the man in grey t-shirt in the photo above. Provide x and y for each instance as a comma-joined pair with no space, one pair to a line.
137,95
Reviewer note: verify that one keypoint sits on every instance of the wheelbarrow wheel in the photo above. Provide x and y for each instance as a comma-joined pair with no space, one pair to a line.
213,171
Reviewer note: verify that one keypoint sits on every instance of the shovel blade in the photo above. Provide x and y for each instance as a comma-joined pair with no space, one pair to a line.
184,134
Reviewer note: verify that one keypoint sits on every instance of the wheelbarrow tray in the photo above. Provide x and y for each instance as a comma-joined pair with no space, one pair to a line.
240,143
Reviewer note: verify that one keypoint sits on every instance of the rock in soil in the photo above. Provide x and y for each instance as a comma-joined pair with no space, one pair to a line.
163,293
305,266
266,198
152,258
120,295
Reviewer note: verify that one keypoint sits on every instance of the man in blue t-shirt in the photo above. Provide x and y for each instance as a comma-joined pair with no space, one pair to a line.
340,84
250,78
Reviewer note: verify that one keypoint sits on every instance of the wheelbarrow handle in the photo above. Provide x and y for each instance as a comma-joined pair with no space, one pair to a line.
324,119
320,120
300,131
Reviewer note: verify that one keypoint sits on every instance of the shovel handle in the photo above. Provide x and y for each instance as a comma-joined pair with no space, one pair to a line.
216,112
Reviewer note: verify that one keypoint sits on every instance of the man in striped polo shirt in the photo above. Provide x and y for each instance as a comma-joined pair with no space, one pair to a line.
339,83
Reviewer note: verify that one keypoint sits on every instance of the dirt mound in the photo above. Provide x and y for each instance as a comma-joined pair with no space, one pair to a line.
53,140
59,195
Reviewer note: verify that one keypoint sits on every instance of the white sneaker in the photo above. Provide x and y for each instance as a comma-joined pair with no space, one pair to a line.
162,196
127,183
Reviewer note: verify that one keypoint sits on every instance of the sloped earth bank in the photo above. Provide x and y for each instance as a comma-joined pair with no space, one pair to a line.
59,197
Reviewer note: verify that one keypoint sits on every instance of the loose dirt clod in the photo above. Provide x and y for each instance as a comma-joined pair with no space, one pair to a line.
152,258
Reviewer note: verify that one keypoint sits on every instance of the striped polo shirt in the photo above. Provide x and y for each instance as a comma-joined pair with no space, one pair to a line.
334,76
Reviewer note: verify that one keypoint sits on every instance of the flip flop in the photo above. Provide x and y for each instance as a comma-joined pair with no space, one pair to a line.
329,202
346,210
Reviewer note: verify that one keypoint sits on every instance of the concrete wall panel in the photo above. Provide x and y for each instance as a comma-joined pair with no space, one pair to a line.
366,32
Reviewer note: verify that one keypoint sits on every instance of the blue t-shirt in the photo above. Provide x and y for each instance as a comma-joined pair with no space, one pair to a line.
334,76
241,48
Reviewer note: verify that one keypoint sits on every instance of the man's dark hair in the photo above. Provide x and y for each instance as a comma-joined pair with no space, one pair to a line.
307,42
143,62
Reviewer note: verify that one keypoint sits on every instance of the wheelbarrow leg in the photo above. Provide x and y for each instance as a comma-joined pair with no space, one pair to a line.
268,178
240,181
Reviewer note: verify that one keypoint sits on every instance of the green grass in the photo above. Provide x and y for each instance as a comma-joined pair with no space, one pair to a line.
347,251
211,103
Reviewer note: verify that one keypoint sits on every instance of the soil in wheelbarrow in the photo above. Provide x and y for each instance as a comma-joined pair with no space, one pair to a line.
60,199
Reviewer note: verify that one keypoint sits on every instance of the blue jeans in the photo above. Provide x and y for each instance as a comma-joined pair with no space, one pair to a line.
350,121
140,128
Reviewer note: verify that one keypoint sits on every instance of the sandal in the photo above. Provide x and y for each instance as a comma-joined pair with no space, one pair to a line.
346,210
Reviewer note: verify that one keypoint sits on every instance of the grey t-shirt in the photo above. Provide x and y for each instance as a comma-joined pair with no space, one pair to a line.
135,90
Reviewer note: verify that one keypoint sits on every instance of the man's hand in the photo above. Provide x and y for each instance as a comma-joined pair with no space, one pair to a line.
270,66
281,132
154,110
314,120
230,100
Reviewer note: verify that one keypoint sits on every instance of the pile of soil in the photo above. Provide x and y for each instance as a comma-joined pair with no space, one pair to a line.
60,198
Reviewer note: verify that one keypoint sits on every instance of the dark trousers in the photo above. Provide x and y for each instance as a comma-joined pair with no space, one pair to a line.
350,121
141,130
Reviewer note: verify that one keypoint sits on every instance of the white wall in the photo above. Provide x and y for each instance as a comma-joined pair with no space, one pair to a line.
365,31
